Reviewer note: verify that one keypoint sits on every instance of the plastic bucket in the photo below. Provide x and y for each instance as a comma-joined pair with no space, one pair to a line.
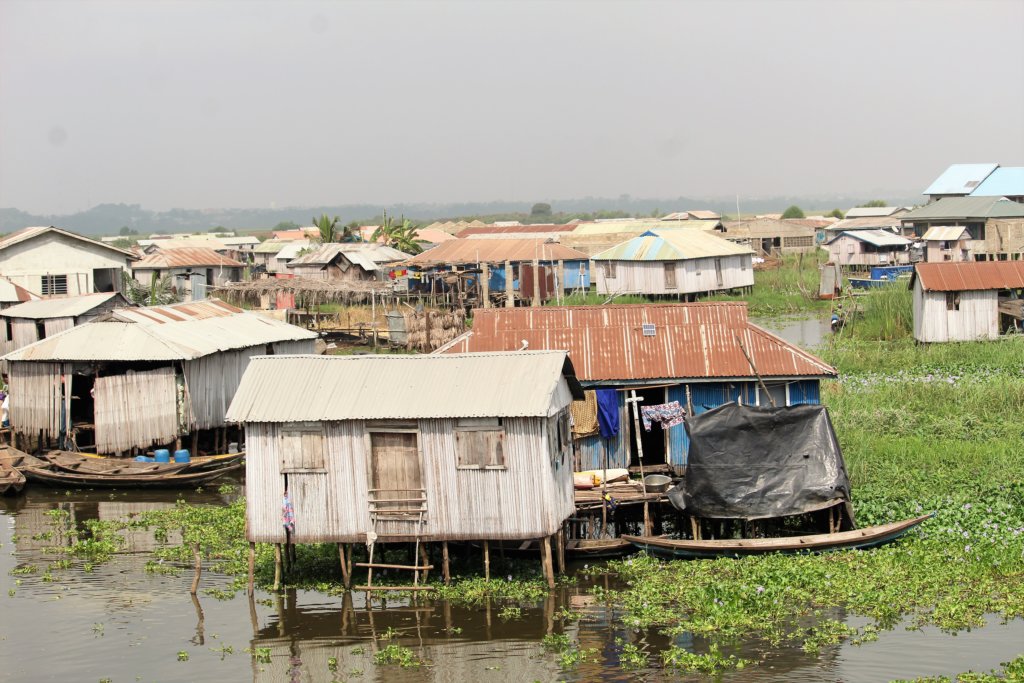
182,456
144,458
161,455
233,447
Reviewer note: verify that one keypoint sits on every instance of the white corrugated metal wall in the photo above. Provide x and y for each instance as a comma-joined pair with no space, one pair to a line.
135,409
35,402
692,275
977,317
529,499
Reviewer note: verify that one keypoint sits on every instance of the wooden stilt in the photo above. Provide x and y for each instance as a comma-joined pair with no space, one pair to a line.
346,576
560,550
426,562
648,523
545,556
277,566
444,563
199,568
487,561
195,443
252,567
695,527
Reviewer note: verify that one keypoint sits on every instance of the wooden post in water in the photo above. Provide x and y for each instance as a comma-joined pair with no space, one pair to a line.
487,561
560,549
545,558
346,575
252,567
426,562
277,566
444,563
199,568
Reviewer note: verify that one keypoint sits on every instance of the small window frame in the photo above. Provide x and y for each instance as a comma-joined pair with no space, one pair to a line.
492,430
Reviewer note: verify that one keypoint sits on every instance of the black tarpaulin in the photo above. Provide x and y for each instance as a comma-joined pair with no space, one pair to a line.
757,463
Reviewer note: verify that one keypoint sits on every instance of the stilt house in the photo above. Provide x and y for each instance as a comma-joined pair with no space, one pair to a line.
472,447
694,355
141,377
31,321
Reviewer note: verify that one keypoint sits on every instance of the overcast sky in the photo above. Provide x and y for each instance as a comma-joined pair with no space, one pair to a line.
256,104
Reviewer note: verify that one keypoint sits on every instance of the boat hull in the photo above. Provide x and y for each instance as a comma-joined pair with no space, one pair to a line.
867,537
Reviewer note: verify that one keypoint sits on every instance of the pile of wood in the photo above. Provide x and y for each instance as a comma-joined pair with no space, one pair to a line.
429,330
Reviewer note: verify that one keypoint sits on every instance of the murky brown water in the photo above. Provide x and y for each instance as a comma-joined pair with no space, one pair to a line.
122,623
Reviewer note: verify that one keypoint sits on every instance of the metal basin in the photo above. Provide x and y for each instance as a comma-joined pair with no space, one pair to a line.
657,483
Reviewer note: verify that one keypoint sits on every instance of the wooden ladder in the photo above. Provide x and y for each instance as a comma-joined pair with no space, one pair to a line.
412,510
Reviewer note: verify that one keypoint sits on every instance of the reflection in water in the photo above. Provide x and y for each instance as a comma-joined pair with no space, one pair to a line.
118,621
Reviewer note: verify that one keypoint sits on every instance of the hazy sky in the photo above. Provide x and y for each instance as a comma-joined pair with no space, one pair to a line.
253,104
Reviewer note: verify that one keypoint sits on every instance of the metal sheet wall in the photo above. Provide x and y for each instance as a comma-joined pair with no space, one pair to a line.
35,402
135,409
55,325
592,449
529,499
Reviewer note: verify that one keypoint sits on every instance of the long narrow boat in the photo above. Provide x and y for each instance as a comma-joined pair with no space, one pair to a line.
197,463
51,476
11,480
867,537
79,464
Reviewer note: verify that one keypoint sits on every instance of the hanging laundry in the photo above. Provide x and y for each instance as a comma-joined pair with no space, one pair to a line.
288,514
608,412
667,414
584,415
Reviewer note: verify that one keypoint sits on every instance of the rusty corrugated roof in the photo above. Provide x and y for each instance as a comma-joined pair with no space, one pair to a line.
515,229
189,257
495,251
606,343
970,275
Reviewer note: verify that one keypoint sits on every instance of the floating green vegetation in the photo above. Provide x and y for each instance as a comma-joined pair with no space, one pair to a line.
396,654
570,654
712,661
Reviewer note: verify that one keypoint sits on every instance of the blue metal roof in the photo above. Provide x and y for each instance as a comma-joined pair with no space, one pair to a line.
1006,181
961,178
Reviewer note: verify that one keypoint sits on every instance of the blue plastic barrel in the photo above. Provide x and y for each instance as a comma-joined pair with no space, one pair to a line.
182,456
162,455
143,458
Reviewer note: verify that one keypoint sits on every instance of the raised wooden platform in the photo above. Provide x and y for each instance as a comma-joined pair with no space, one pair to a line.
624,493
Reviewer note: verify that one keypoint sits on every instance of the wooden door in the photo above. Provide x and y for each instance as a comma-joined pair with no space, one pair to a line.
395,470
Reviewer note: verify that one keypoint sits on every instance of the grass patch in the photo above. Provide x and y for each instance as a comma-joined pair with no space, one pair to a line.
784,290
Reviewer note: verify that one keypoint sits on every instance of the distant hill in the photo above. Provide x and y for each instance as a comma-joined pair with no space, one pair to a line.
108,219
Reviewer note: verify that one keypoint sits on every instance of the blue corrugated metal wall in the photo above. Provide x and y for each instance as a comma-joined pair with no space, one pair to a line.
678,441
805,391
592,448
496,279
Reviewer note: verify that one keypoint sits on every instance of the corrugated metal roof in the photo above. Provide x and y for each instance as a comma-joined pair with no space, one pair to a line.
35,231
671,245
954,208
10,292
944,233
67,307
178,332
301,388
623,225
878,238
866,223
1005,181
189,257
960,179
872,211
690,215
515,229
271,246
292,248
970,275
495,251
433,236
364,254
606,343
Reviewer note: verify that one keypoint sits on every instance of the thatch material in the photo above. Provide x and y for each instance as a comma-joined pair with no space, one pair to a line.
430,330
308,292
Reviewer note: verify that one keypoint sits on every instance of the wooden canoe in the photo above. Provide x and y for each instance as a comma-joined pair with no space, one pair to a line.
11,480
79,464
51,476
199,462
867,537
597,548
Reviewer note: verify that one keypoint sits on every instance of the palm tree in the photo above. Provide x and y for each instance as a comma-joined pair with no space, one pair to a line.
401,236
159,293
327,227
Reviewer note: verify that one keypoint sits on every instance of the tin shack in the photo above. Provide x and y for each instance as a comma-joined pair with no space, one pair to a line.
384,449
660,358
141,377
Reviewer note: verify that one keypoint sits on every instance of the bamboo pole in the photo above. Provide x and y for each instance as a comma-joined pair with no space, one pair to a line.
754,368
277,566
487,561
